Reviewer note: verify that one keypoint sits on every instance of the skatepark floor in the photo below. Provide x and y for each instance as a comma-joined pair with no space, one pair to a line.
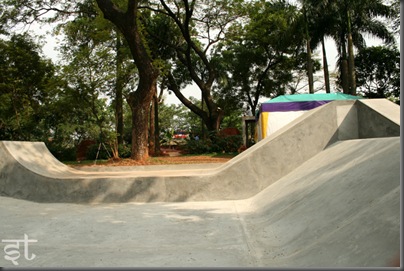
328,212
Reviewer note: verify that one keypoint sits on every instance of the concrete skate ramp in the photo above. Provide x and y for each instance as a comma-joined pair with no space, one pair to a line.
322,192
29,171
341,208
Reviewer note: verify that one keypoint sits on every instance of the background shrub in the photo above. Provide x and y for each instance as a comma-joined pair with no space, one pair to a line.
124,150
63,153
216,143
102,155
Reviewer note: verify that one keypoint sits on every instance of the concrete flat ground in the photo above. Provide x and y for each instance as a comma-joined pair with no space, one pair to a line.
341,208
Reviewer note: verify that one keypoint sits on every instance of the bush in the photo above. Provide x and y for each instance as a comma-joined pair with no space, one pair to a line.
198,146
216,143
63,153
124,151
229,143
102,155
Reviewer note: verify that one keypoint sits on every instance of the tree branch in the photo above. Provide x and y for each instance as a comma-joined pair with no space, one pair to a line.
172,85
111,12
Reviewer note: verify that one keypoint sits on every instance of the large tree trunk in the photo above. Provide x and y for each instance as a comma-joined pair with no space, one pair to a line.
308,51
139,101
351,60
118,91
344,67
153,119
214,120
152,129
156,126
310,67
325,68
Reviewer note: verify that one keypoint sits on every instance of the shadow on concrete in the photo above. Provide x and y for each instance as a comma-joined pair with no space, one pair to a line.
30,172
332,215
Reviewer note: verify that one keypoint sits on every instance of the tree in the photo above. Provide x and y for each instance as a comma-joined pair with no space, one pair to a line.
91,40
89,79
306,16
87,117
180,121
395,22
322,19
346,22
128,21
202,25
161,34
259,55
25,82
126,16
378,72
352,20
36,103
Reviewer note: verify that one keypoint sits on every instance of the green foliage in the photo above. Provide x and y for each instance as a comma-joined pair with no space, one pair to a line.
338,18
166,136
214,144
62,153
105,151
254,50
228,144
259,56
233,119
378,72
101,150
178,118
26,80
198,146
124,150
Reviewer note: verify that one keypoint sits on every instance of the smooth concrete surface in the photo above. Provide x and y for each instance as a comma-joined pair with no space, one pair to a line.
29,171
378,118
340,208
323,191
309,136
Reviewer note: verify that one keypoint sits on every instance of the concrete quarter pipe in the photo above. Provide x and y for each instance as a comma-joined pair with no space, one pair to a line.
324,191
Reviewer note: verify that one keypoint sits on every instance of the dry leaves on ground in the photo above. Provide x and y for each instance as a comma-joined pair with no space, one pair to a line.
170,157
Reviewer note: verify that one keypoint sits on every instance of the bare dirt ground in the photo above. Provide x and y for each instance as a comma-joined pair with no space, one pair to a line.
168,157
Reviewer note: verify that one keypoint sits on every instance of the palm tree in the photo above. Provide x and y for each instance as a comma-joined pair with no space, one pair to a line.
355,19
318,19
306,17
346,22
322,21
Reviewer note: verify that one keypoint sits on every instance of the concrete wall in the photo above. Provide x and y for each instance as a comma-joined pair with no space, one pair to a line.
280,153
347,121
39,177
378,118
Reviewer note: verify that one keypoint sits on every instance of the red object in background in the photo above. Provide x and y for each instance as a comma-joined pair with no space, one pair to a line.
229,131
82,149
180,135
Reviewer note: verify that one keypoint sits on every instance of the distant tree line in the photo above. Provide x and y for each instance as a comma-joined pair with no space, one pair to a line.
121,58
